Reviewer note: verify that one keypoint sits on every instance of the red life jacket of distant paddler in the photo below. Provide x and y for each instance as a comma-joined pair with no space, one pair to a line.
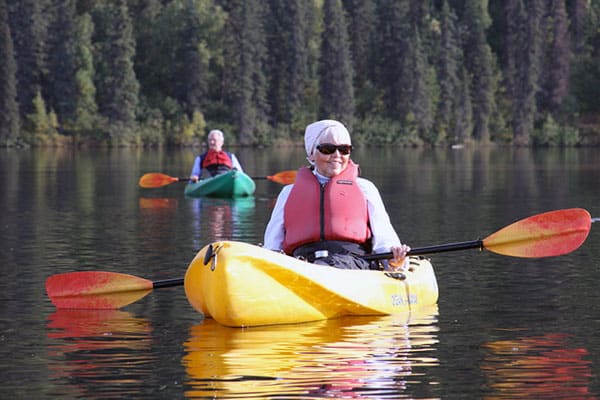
334,211
213,158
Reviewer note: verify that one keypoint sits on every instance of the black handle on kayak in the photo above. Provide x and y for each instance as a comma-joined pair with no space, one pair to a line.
473,244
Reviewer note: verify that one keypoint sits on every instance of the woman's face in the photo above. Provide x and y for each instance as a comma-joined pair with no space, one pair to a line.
330,165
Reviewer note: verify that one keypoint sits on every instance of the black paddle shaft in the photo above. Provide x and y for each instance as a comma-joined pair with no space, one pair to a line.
473,244
167,283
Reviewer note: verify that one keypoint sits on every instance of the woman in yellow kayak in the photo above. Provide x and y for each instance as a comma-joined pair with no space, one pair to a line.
330,215
214,161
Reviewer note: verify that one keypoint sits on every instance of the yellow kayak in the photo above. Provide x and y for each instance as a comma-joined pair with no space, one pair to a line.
239,284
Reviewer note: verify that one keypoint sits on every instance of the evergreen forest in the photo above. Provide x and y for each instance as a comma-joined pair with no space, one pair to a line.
396,72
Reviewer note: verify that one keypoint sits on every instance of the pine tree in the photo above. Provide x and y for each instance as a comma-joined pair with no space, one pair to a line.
151,54
9,108
479,59
579,12
390,61
421,99
464,109
245,83
28,24
117,87
288,38
336,85
362,35
448,67
191,73
85,114
558,58
523,52
60,83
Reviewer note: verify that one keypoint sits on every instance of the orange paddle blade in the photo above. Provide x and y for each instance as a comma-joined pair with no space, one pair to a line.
548,234
96,289
283,177
155,180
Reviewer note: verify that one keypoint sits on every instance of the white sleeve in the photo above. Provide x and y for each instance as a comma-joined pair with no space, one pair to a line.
384,234
236,163
275,231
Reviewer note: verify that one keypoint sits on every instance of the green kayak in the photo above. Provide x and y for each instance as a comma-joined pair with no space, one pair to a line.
230,184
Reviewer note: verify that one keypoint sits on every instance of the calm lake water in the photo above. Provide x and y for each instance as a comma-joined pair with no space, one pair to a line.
504,328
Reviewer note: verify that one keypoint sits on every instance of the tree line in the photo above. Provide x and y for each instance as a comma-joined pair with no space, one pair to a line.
397,72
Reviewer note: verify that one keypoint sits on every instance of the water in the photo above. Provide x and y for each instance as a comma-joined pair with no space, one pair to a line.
503,328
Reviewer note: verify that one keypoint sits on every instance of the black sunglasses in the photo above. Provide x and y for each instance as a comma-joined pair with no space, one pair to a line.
329,148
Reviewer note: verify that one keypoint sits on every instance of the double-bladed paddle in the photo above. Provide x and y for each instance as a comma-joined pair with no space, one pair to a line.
548,234
156,179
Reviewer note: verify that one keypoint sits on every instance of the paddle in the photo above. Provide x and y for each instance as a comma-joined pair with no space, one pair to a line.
156,179
543,235
100,290
549,234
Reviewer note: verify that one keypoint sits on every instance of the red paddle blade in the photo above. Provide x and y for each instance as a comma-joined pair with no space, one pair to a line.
283,177
96,289
543,235
155,180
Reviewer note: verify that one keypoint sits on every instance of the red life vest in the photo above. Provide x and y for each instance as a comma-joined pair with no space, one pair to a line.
337,211
214,158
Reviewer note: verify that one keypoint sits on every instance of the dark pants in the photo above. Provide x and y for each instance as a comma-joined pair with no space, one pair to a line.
344,255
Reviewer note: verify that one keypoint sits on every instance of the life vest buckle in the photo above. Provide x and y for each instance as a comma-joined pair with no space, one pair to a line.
321,254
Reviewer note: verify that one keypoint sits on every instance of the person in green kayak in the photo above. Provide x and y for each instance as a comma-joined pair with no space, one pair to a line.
330,215
214,161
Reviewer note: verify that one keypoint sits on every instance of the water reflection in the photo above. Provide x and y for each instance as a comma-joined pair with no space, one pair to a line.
537,367
221,219
353,357
91,346
151,205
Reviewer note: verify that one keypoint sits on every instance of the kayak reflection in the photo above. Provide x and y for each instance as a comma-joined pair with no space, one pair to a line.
344,357
219,219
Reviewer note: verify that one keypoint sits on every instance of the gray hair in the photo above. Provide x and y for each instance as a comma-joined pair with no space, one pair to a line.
216,132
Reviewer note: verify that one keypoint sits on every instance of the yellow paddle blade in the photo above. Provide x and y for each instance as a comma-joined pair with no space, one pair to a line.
156,180
96,289
548,234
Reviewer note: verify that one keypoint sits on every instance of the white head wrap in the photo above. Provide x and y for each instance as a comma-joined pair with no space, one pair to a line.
316,130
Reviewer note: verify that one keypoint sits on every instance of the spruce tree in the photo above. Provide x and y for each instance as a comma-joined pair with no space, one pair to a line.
288,44
523,52
479,59
558,58
60,83
579,12
85,115
336,85
362,27
117,87
464,109
28,23
421,98
448,66
390,61
152,58
190,78
244,79
9,108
